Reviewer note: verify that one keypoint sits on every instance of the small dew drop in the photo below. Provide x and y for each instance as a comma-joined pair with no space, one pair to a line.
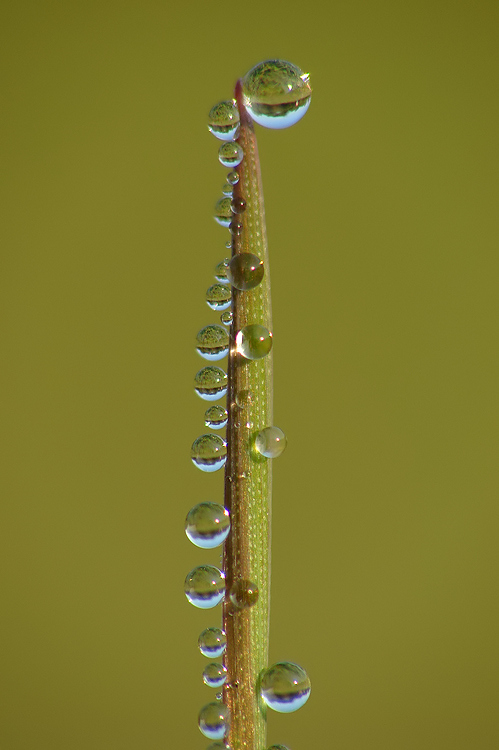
209,452
223,120
233,178
230,154
218,297
244,594
212,642
210,383
226,318
236,227
214,720
218,746
205,586
244,399
221,270
228,246
223,212
276,93
214,675
207,525
227,189
238,205
285,687
270,442
245,271
212,342
254,341
216,417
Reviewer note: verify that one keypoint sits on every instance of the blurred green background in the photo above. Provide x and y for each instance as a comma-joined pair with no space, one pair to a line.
383,223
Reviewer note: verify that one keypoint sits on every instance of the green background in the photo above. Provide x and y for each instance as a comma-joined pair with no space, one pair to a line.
383,222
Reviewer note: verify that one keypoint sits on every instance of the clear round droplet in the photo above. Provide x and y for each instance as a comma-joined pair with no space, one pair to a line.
226,318
219,297
276,93
236,227
223,120
209,452
221,269
218,746
244,399
212,642
214,720
238,205
285,687
230,154
223,214
254,341
205,586
214,675
210,383
212,342
233,178
207,525
227,189
244,594
216,417
245,271
270,442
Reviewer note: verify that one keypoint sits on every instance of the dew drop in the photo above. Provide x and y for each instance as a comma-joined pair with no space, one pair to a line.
214,720
219,297
244,399
254,341
285,687
218,746
210,383
227,189
214,675
223,120
226,318
228,246
244,594
212,342
207,525
270,442
276,93
209,452
245,271
230,154
205,586
223,212
238,205
236,227
221,269
233,178
212,642
216,417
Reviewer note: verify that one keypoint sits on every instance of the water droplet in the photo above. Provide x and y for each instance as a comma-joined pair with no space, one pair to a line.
216,417
219,695
244,594
212,642
212,342
219,297
223,212
218,746
276,93
205,586
236,227
278,747
228,246
270,442
233,178
221,270
230,154
244,399
214,720
209,452
223,120
214,675
226,318
238,205
207,525
210,383
285,687
227,189
254,341
245,271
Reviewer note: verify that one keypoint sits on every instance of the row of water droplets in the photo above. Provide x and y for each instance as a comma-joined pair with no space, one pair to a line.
276,94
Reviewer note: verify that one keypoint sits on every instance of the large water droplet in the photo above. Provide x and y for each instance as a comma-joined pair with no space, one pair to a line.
254,341
214,720
238,205
245,271
276,93
212,342
244,594
285,687
223,120
209,452
226,318
214,675
223,212
205,586
216,417
210,383
270,442
233,178
218,297
207,525
221,270
212,642
230,154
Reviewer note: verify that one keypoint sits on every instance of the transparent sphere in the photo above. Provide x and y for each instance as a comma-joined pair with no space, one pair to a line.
209,452
232,178
243,594
254,341
230,154
207,525
285,687
276,93
216,417
223,212
221,271
212,342
238,205
214,675
218,746
245,271
226,318
214,720
204,586
212,642
227,189
219,297
270,442
223,120
210,383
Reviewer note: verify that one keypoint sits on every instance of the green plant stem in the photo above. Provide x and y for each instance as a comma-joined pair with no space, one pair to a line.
248,476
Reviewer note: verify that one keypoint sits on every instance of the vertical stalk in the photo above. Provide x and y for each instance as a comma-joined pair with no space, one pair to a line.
248,476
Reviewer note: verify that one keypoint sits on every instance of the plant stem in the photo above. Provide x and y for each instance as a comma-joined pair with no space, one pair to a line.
248,476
